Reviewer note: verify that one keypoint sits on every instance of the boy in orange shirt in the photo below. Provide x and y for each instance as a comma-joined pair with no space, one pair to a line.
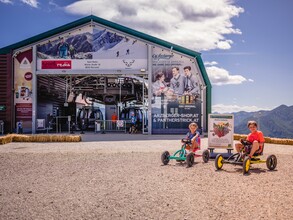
255,137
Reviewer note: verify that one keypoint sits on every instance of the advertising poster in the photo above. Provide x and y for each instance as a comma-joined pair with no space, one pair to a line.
92,48
176,100
23,89
41,124
23,113
221,130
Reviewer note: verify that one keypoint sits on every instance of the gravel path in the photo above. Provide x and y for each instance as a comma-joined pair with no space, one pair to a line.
124,179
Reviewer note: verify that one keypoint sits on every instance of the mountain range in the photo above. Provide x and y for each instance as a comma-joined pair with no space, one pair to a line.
277,123
105,40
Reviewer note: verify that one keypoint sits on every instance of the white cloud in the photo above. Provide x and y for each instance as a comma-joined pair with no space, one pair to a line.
195,24
219,76
54,6
221,108
52,3
32,3
213,63
224,45
6,1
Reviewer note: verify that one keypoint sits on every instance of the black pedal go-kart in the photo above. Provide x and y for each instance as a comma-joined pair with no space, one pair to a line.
244,160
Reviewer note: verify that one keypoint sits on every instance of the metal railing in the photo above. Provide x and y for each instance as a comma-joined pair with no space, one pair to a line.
112,126
63,124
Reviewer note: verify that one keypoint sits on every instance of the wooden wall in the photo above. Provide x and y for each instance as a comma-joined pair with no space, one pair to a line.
6,93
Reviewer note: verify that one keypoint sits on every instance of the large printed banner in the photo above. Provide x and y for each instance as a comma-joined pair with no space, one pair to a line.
23,89
176,88
92,48
221,130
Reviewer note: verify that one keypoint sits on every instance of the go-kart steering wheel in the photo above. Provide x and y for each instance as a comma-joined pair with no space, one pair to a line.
186,140
245,142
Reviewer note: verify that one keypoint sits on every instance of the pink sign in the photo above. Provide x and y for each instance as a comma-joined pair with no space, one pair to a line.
56,64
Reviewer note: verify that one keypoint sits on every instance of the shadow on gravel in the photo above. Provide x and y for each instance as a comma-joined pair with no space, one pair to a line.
257,170
239,171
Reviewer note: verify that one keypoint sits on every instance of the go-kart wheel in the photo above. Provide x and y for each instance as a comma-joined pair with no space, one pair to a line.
219,161
190,159
271,162
206,156
246,165
165,157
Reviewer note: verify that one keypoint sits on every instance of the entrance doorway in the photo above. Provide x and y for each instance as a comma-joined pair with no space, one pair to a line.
105,103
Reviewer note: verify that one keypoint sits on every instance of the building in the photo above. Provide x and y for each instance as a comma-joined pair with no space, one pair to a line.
92,68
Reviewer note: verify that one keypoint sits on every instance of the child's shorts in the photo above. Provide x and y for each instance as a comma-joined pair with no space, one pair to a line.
189,147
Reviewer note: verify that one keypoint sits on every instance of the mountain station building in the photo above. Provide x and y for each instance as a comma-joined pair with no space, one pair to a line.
93,74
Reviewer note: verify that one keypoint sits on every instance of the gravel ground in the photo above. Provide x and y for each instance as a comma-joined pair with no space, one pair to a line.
112,177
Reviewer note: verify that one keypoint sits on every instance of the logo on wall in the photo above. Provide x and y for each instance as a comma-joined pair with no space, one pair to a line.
157,57
128,63
25,64
28,76
56,64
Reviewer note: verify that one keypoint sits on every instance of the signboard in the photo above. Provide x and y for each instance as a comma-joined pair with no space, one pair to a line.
97,126
56,64
23,111
176,99
221,130
92,48
40,123
120,123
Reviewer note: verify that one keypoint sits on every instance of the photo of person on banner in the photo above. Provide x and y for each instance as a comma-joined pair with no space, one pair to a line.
177,82
160,86
191,83
62,48
72,51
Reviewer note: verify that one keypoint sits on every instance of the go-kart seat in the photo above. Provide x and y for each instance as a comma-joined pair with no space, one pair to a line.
260,151
248,144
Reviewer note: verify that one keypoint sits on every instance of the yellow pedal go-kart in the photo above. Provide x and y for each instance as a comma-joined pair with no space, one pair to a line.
243,160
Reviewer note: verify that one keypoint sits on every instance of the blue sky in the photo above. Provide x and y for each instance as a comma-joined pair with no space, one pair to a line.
246,45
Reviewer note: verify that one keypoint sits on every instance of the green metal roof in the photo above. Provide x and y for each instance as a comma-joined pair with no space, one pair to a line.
126,30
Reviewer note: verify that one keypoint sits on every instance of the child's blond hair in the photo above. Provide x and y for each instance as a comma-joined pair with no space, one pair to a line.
192,124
